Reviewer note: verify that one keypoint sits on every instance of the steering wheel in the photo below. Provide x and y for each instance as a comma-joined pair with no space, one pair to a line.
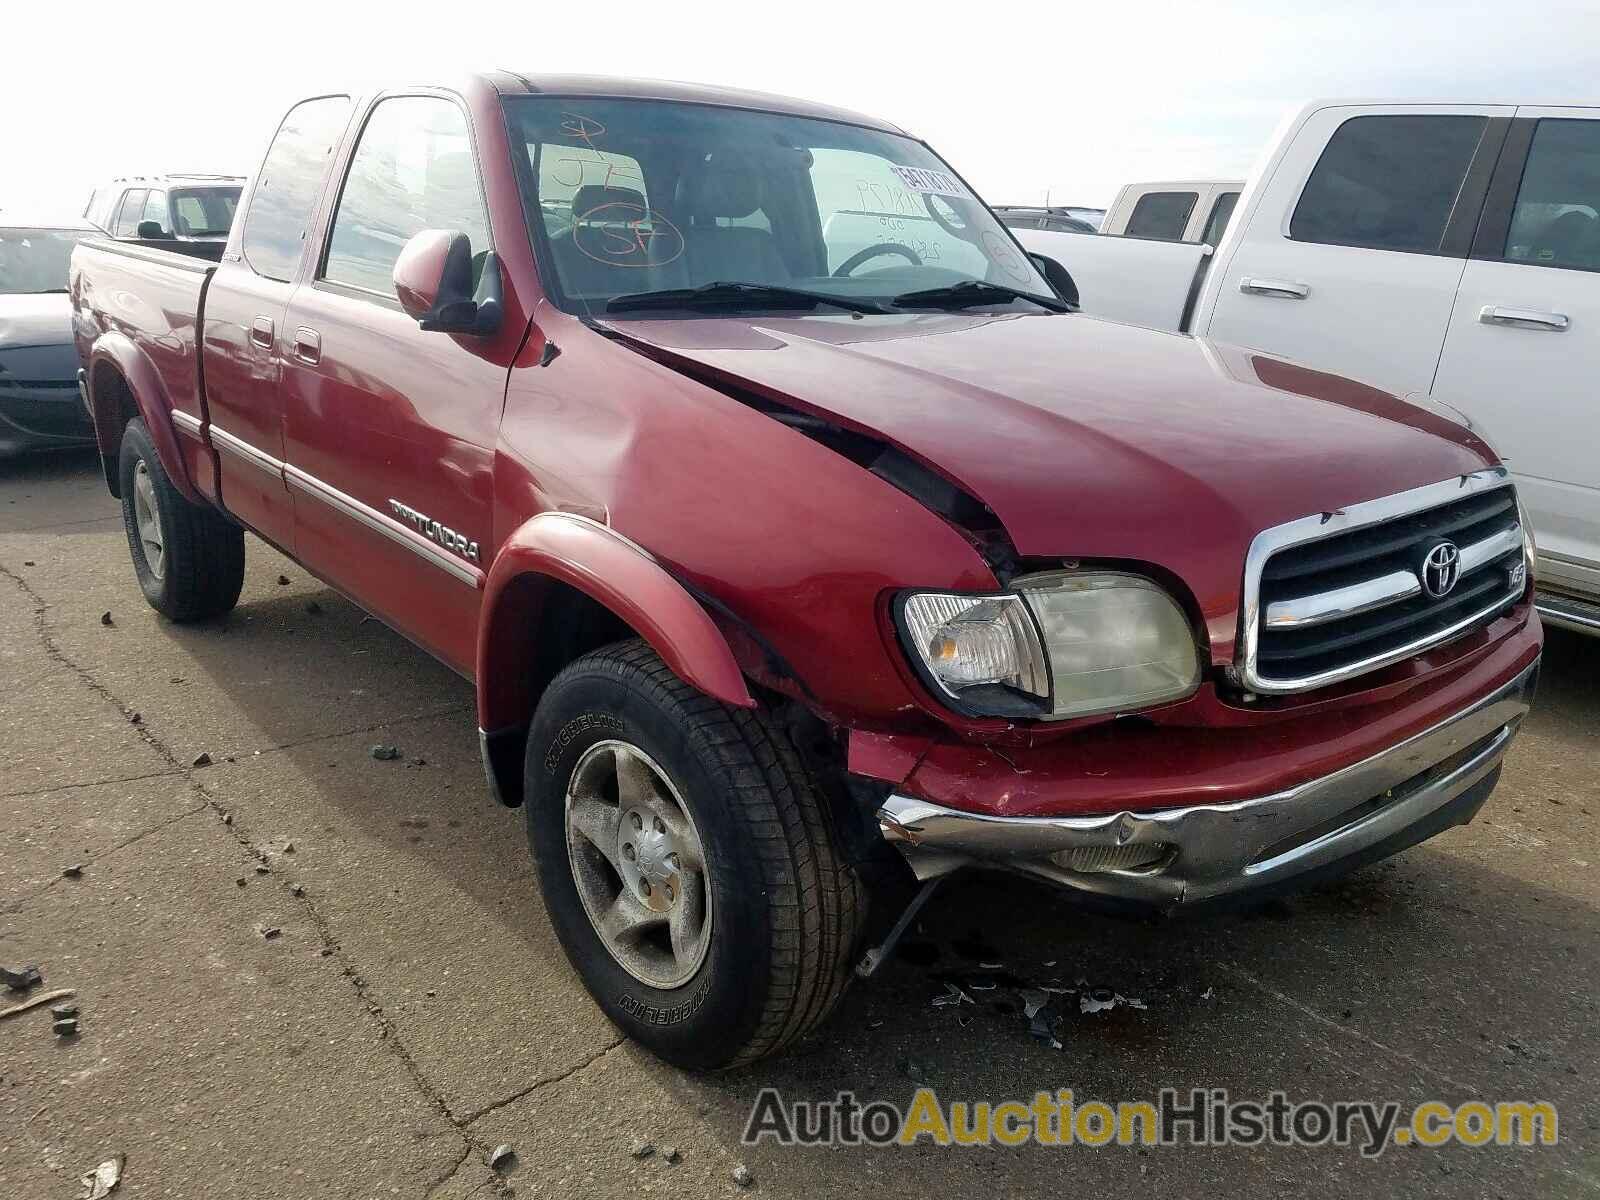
871,252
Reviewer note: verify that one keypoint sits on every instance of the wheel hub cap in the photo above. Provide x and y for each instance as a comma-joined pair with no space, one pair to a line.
638,864
148,521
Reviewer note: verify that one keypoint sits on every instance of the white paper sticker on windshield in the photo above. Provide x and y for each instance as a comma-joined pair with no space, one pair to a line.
933,183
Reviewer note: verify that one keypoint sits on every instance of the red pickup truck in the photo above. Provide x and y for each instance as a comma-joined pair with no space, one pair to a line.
788,520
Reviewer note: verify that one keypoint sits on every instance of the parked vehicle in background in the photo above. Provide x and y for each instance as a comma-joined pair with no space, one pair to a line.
39,403
181,208
1060,220
1446,252
781,562
1184,210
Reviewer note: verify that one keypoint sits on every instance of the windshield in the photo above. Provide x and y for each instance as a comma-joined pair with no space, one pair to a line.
636,196
203,212
36,260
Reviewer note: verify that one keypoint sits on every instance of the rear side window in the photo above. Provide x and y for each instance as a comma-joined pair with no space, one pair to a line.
1161,215
1217,222
131,213
412,170
1556,222
286,189
1388,182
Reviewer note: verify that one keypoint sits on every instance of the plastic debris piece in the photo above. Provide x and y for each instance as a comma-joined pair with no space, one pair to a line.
1097,1000
65,1027
35,1002
671,1154
202,759
262,868
20,979
105,618
72,872
502,1157
227,818
641,1148
61,1011
135,718
742,1176
297,889
952,996
283,581
1208,994
1033,999
99,1183
269,931
385,753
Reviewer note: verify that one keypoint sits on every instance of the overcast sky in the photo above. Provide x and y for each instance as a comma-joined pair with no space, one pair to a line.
1077,98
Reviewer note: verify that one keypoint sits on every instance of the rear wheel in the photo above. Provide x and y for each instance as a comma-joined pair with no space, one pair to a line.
688,863
189,558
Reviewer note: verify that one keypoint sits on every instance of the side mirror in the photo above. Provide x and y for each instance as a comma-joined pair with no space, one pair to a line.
1058,277
151,231
433,279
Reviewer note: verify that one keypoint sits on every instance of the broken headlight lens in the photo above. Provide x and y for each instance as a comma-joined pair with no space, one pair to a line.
1063,644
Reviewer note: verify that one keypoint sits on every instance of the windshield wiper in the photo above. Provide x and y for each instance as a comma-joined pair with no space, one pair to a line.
971,292
46,292
728,294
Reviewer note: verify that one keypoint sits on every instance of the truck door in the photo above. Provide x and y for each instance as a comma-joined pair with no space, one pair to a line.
389,430
1350,259
243,321
1523,354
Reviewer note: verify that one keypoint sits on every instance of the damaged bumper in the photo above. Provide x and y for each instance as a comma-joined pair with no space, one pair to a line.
1193,855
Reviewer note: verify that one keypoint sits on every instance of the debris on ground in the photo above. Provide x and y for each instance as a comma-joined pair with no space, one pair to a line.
99,1183
1102,999
1208,993
268,931
952,996
501,1157
105,618
1033,999
62,1011
27,562
64,1027
202,759
414,822
227,818
641,1148
262,868
35,1002
135,718
297,889
72,871
742,1176
671,1154
385,753
283,581
20,979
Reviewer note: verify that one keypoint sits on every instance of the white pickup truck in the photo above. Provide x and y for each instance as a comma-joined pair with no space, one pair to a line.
1449,253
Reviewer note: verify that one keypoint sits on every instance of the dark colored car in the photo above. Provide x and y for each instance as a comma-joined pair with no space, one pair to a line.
40,407
183,208
796,533
1055,218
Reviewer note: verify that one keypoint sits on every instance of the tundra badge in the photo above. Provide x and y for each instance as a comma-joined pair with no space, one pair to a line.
429,528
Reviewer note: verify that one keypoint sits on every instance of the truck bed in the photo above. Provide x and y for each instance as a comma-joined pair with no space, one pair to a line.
1140,281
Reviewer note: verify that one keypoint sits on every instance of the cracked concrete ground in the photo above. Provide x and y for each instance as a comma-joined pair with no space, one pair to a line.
412,1010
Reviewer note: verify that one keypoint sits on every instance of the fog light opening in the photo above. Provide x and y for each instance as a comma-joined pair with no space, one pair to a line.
1135,857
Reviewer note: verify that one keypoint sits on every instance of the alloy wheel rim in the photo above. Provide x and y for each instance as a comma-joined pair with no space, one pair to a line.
639,864
148,520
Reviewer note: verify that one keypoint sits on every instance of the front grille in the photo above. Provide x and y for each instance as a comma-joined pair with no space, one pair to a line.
1344,593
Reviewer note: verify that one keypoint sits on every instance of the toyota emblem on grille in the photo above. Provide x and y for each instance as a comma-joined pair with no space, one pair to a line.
1441,567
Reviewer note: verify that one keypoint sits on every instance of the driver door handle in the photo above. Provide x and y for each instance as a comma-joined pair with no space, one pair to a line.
1524,318
261,330
1284,289
307,345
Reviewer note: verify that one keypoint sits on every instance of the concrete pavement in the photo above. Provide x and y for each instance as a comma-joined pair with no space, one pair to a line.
304,972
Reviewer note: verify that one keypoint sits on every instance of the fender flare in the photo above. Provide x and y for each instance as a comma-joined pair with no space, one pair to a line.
119,352
616,573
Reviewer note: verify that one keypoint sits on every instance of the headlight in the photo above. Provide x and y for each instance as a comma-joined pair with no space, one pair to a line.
1061,644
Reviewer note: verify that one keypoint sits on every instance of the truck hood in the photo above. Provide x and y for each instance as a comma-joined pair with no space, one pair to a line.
35,320
1090,439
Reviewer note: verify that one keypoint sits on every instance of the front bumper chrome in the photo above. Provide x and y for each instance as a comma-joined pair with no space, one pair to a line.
1207,852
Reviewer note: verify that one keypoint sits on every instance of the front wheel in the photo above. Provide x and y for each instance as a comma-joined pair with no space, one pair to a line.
687,861
189,559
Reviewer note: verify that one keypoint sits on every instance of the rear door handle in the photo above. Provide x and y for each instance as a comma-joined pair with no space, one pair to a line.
1524,318
1282,288
261,332
307,345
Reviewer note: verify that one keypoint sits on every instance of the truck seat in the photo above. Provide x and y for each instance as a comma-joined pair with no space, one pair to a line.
617,244
727,188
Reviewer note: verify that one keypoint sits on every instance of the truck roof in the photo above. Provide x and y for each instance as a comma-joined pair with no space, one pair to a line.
516,83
